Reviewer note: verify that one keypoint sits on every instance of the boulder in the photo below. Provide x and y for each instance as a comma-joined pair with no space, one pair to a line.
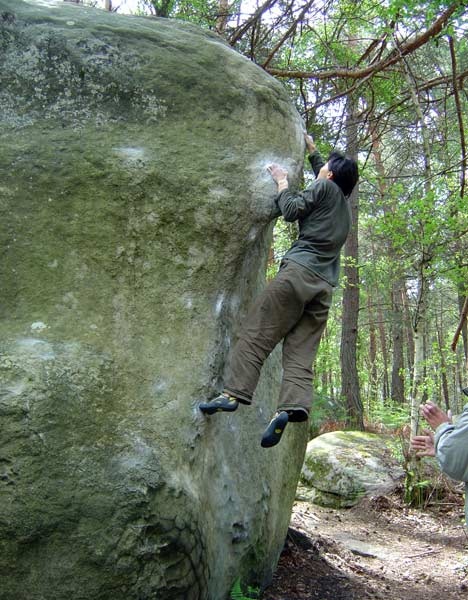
135,221
342,467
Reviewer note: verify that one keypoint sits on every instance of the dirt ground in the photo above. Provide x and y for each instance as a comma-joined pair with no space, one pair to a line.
378,549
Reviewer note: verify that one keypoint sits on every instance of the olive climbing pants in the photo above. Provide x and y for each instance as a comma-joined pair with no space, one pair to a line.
293,308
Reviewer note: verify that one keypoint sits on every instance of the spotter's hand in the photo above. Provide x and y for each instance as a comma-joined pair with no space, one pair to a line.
434,415
423,445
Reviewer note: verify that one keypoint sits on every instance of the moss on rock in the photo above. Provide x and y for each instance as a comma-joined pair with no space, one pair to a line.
135,215
343,466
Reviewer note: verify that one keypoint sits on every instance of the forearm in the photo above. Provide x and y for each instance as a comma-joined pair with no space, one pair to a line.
316,162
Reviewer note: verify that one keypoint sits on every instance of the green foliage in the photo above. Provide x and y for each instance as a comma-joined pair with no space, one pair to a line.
326,411
162,8
389,414
284,234
417,490
238,594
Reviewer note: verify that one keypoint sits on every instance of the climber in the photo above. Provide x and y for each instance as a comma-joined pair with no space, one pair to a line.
294,306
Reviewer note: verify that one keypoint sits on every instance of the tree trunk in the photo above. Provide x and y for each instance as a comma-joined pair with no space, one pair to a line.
383,343
420,313
462,296
162,8
398,382
372,353
350,389
443,369
419,394
462,299
419,333
408,332
460,377
223,16
397,392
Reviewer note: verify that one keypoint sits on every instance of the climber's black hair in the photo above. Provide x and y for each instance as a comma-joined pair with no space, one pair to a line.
345,172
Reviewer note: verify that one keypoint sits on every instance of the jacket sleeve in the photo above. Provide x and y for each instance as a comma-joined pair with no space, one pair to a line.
297,205
316,162
451,443
275,211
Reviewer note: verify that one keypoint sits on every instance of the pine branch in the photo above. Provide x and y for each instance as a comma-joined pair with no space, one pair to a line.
395,56
238,33
287,34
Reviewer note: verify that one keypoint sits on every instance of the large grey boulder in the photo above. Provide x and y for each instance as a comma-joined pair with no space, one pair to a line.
135,219
342,467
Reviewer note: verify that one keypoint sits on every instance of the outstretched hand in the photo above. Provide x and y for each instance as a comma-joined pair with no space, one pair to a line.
309,140
423,445
434,415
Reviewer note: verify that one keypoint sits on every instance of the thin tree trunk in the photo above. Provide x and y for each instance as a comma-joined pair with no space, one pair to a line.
324,378
420,313
443,369
398,382
383,344
350,389
409,336
372,353
462,297
461,329
462,300
328,379
418,393
460,375
223,16
397,392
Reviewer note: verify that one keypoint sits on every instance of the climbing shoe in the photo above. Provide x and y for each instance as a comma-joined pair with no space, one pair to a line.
223,403
275,429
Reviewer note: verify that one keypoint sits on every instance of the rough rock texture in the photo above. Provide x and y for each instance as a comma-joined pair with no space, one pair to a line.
342,467
135,218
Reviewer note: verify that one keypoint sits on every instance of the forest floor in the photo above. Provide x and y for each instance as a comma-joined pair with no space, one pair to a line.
378,549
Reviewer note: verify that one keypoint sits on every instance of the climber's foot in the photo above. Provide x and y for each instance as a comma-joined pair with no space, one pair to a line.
297,415
223,403
274,431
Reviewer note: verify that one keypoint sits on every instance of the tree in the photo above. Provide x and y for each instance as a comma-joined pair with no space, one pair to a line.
350,390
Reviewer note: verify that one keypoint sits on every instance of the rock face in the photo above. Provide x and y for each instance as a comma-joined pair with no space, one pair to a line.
135,218
342,467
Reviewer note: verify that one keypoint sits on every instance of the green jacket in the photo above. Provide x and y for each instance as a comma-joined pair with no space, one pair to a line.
324,219
451,444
